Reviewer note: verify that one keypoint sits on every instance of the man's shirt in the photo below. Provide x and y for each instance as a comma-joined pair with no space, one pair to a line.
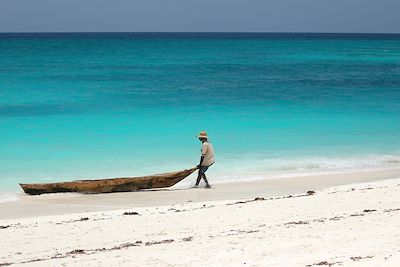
207,151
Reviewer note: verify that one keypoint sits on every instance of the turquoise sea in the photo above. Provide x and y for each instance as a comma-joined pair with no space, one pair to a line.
124,104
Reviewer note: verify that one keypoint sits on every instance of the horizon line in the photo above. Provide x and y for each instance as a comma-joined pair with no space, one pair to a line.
241,32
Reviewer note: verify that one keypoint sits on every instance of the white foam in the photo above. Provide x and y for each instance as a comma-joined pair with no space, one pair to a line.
8,197
257,168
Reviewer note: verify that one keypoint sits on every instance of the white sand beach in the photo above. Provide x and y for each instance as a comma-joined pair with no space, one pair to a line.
351,220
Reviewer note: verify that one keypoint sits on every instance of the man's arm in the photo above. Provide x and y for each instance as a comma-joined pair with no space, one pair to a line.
201,161
203,153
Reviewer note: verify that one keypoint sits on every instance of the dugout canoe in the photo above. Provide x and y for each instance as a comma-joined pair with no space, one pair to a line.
126,184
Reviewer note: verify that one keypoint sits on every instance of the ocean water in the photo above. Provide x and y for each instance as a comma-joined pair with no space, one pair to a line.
125,104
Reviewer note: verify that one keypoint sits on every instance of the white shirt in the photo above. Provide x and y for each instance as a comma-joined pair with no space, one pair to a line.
207,151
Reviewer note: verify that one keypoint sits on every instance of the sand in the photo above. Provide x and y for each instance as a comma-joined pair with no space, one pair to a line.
288,225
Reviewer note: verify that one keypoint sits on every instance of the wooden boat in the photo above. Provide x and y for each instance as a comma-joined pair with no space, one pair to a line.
110,185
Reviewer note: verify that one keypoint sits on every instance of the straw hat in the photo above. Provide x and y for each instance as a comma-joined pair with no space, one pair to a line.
202,134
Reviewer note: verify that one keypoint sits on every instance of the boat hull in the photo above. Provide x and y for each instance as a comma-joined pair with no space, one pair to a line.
126,184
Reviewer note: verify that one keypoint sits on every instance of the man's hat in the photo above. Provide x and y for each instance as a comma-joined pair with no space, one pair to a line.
202,134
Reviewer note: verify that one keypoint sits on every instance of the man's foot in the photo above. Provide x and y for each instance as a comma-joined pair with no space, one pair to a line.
195,186
208,186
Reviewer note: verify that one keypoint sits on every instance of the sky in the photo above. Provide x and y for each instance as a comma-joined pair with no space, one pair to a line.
357,16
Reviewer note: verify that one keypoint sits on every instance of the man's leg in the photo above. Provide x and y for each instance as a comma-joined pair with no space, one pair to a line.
199,176
204,169
205,180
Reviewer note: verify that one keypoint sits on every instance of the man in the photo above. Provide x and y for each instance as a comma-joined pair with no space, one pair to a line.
206,160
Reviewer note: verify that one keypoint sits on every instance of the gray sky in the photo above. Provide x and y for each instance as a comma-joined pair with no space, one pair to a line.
200,15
